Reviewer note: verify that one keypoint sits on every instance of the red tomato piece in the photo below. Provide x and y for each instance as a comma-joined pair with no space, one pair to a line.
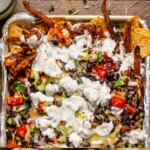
101,71
14,100
118,101
21,131
131,109
13,144
53,140
105,55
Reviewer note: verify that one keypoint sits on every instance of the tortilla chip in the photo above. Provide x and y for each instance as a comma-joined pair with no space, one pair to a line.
140,37
134,22
145,51
14,31
99,22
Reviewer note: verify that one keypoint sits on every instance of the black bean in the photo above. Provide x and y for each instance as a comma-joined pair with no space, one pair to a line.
33,88
53,82
74,70
92,78
14,114
59,133
55,42
26,116
109,60
32,134
115,122
9,135
137,118
117,75
40,136
68,143
117,68
128,122
132,122
14,125
34,145
97,111
102,81
107,120
47,139
23,143
89,65
86,144
60,92
110,78
137,111
24,120
80,74
68,95
99,120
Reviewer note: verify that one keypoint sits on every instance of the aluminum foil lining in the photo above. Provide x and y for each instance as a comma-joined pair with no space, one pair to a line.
4,50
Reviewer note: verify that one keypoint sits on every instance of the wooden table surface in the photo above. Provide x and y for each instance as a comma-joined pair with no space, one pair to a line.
117,7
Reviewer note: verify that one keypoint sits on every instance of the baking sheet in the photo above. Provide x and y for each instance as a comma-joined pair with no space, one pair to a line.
4,50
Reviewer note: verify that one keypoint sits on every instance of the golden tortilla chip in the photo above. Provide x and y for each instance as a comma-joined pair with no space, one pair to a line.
99,22
140,37
134,22
14,31
145,51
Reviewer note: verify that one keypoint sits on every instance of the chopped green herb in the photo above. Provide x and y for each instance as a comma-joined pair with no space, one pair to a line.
84,1
118,83
34,129
73,11
65,131
52,8
108,10
92,3
141,114
9,121
139,126
18,138
86,7
80,68
99,56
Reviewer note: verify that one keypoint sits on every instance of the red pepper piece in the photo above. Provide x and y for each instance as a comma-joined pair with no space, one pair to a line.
14,100
131,109
118,101
21,131
13,144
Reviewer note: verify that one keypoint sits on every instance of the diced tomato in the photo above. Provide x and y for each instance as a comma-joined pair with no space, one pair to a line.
42,106
125,129
105,55
53,140
21,131
62,122
14,100
131,109
13,144
118,101
101,71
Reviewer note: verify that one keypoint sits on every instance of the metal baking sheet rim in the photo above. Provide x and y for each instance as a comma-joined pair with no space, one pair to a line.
28,17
